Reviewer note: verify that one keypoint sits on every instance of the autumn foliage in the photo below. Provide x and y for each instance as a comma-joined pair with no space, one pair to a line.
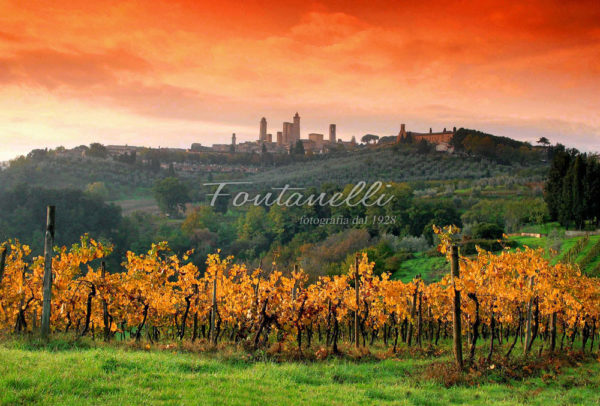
160,295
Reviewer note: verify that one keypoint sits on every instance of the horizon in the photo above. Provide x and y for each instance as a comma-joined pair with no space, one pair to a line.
173,73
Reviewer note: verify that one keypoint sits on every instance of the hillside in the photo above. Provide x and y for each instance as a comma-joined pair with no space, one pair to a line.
78,172
130,181
388,164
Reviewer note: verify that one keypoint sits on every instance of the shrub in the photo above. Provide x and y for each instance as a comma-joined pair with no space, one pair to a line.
413,244
488,231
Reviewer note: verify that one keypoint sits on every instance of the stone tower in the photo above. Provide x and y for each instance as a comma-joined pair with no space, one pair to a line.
296,129
262,136
332,133
288,129
233,139
402,133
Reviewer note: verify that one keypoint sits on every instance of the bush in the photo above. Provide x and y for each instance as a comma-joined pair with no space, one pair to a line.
413,244
488,231
469,246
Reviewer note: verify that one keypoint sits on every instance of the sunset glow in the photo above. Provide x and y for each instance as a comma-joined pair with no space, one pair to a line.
169,73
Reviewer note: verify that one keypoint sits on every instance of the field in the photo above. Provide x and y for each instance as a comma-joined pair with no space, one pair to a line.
85,373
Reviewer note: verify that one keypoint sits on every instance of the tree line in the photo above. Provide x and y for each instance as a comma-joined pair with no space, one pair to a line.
572,191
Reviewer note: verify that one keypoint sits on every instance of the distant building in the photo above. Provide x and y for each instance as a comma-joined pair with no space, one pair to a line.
221,147
317,139
444,147
431,137
116,150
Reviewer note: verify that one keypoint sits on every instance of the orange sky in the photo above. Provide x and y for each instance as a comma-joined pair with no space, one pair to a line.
170,73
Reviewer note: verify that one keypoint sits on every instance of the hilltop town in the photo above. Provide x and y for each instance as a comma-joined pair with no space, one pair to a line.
289,141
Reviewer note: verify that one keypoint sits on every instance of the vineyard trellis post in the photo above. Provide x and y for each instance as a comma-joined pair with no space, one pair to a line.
47,291
456,331
2,262
294,289
357,290
527,345
213,312
104,304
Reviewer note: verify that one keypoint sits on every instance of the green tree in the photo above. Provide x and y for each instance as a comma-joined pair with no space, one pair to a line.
543,141
423,147
171,195
369,138
97,150
299,149
203,217
97,190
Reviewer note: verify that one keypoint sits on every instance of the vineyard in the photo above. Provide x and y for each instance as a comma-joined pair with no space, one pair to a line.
161,296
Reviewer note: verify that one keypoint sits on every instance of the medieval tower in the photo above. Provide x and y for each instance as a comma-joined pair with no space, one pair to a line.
332,133
262,136
296,129
402,133
288,133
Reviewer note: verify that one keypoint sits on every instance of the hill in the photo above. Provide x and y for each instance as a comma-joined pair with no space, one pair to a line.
391,164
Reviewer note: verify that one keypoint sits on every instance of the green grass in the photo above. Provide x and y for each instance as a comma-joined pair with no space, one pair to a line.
567,244
427,267
593,240
531,242
109,375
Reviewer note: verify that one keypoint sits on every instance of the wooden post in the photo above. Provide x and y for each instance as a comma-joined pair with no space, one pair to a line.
456,331
294,290
47,291
2,262
420,320
527,345
553,332
357,290
105,305
213,312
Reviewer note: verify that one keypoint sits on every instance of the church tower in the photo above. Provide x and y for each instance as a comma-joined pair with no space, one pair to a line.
233,139
296,128
262,136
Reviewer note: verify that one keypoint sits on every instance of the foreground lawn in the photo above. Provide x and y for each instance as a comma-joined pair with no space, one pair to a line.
109,375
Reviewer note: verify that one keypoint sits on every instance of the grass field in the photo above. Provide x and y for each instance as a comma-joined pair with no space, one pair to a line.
110,375
427,267
567,244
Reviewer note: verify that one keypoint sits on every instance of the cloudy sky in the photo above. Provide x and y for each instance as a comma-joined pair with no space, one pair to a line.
169,73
